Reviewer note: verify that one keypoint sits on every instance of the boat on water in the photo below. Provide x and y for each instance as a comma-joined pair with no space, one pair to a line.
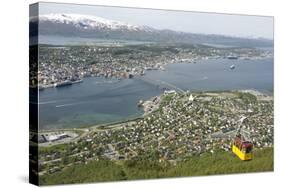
64,83
232,57
77,81
232,67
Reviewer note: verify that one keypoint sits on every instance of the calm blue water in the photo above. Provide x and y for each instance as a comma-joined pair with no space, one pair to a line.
95,101
216,75
99,100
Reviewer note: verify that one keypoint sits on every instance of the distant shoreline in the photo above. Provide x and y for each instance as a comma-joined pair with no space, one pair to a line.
42,88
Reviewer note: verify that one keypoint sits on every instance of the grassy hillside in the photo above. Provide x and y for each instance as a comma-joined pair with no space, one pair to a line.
207,164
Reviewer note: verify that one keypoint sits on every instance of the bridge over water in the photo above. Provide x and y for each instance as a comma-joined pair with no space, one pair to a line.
160,83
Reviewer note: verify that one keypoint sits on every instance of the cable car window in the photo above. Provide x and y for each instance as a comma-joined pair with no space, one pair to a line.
248,149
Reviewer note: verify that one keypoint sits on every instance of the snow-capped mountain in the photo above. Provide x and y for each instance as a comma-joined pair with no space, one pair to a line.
90,22
88,26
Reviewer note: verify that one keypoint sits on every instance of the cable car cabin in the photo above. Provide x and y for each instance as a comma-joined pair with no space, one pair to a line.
243,149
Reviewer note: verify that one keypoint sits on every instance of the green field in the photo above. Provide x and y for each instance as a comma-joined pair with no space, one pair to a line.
206,164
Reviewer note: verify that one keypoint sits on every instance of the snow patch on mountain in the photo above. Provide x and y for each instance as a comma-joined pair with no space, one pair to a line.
91,22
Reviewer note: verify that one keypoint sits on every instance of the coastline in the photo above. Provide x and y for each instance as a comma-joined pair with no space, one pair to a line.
186,126
160,67
114,124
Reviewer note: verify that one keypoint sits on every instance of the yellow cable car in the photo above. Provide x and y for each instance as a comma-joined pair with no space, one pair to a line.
243,149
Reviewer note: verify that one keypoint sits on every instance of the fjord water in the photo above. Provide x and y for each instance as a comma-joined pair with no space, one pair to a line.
101,100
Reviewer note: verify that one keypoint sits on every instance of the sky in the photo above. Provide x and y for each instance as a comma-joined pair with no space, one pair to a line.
192,22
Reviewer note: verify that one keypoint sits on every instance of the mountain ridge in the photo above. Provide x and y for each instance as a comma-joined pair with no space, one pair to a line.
89,26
